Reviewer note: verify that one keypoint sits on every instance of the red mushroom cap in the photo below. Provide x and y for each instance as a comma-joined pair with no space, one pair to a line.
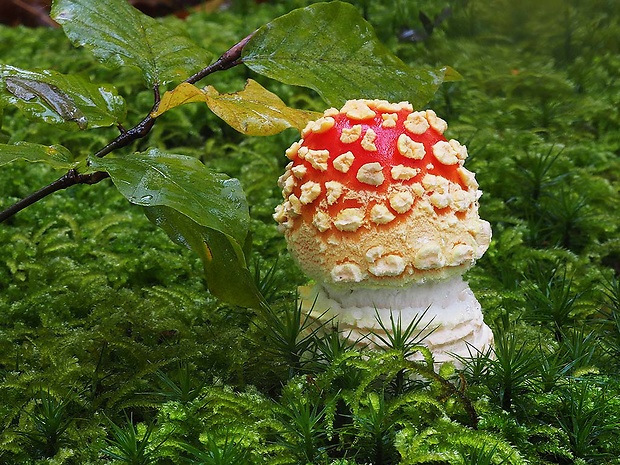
376,195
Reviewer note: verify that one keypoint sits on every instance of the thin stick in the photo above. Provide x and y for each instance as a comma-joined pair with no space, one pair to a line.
230,58
69,179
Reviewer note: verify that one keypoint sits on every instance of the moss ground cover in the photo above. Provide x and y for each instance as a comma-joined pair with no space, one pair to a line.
113,351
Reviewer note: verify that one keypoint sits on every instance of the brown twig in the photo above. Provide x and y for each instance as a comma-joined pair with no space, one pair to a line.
229,59
71,178
39,12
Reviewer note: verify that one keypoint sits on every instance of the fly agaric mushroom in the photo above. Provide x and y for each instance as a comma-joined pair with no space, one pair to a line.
380,212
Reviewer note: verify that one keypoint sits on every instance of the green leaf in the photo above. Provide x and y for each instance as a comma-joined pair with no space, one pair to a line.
202,210
254,111
56,156
60,99
227,275
120,35
183,183
330,48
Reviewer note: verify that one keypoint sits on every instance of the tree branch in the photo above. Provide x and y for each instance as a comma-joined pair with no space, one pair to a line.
137,132
230,58
69,179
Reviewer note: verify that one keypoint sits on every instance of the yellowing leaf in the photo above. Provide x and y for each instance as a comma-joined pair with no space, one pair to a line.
255,111
180,95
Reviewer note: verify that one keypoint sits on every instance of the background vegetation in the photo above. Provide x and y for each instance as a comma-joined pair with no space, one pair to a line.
112,350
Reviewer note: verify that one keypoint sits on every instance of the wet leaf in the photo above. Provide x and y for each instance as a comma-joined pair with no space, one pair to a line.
183,183
55,156
198,208
226,273
120,35
56,98
330,48
257,112
252,111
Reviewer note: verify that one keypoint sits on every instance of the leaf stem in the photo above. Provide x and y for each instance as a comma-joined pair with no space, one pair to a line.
229,59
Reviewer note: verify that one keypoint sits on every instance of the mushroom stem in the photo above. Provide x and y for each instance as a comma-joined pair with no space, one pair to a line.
450,316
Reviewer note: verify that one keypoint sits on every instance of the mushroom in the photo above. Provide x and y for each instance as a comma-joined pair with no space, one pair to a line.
381,213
